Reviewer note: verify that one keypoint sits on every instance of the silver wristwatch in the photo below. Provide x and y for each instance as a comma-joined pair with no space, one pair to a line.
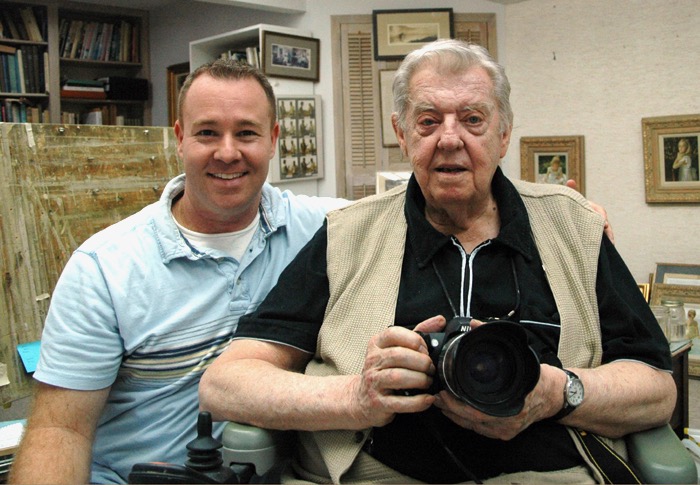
573,395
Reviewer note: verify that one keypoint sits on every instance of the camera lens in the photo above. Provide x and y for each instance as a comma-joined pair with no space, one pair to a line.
491,368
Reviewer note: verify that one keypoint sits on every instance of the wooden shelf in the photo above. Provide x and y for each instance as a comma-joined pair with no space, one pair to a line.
58,68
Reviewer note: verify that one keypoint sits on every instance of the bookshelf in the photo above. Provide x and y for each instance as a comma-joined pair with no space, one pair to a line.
23,54
82,43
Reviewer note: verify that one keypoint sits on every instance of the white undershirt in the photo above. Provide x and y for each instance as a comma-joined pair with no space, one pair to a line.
233,244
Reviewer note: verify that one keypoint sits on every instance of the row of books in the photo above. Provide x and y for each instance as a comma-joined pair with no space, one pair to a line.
23,23
23,70
18,110
101,115
99,41
249,55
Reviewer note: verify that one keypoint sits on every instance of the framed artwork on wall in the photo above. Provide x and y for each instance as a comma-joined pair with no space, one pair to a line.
299,154
553,160
386,99
398,32
671,164
678,274
690,296
290,56
176,77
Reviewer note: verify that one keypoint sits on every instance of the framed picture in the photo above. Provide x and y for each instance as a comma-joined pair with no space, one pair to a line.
176,77
678,274
398,32
389,180
386,98
299,148
290,56
553,160
690,296
645,288
671,165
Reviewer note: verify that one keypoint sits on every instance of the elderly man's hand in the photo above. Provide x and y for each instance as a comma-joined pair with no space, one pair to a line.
571,183
397,360
538,406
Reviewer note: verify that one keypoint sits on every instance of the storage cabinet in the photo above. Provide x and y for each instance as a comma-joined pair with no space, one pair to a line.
84,42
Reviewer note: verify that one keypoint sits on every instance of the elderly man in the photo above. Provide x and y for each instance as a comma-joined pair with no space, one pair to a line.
332,349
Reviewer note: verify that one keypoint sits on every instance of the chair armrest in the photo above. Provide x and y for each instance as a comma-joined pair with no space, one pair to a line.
265,449
660,457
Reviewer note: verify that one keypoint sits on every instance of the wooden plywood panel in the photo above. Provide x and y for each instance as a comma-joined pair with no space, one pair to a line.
59,185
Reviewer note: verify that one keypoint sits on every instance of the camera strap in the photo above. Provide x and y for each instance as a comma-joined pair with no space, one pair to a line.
612,467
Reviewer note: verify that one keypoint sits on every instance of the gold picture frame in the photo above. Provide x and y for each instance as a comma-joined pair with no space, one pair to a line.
645,288
177,73
540,156
690,296
398,32
671,162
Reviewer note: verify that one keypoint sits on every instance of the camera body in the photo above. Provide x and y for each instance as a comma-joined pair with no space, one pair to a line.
490,367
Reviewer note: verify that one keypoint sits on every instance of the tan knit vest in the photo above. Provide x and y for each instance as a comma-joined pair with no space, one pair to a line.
365,253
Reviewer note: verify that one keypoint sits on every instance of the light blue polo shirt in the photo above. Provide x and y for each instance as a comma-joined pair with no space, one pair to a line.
139,309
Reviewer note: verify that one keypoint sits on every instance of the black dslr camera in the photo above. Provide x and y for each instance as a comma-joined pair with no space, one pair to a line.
491,367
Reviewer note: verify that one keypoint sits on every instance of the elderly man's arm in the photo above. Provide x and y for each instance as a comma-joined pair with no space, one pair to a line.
620,398
623,397
57,444
261,383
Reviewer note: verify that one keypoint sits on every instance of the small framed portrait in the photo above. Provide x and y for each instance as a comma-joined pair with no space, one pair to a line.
299,154
553,160
290,56
690,296
398,32
177,73
677,274
671,163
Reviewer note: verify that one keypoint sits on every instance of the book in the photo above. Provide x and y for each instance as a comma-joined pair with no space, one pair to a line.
76,39
7,49
30,24
11,26
84,93
12,74
21,79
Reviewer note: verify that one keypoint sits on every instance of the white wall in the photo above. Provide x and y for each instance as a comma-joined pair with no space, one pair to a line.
616,62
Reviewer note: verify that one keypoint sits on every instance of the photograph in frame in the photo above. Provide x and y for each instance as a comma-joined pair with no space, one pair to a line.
677,274
177,73
398,32
671,160
553,160
290,56
386,99
690,296
299,154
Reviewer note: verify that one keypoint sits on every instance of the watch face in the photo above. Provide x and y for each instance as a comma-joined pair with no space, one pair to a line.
574,392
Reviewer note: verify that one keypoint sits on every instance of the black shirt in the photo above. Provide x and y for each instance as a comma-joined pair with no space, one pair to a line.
500,276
